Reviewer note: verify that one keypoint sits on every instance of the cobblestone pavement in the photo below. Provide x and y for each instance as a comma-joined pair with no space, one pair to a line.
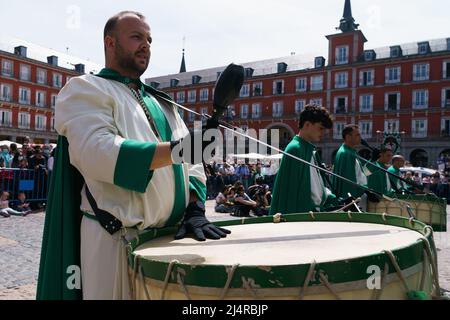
20,243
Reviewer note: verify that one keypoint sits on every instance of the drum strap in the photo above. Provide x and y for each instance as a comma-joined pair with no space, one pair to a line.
110,223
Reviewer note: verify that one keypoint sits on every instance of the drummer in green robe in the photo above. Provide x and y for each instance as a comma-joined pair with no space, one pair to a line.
347,165
398,161
298,186
379,180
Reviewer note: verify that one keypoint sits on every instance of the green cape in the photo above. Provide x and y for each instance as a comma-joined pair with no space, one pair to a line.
378,179
344,165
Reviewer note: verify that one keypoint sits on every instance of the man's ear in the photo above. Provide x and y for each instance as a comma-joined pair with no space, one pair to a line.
109,42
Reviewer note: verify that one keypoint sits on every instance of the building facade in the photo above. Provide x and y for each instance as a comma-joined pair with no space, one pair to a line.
28,91
402,88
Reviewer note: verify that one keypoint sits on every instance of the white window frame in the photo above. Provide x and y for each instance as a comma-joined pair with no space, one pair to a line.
336,99
317,85
388,74
192,96
5,118
299,87
2,89
255,86
363,108
338,127
277,109
417,106
366,134
245,91
445,69
392,121
342,58
419,133
53,99
191,116
43,127
24,124
386,101
21,101
256,110
181,97
421,48
39,94
275,87
316,101
41,76
204,94
445,103
443,120
244,111
372,78
341,80
9,72
299,105
421,71
57,80
25,76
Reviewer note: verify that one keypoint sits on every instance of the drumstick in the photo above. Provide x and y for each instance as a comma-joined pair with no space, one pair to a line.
354,202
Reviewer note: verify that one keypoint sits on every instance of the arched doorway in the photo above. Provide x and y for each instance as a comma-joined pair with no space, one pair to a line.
285,134
419,158
365,153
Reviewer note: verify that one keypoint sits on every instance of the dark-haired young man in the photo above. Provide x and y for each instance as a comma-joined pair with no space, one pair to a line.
298,186
379,180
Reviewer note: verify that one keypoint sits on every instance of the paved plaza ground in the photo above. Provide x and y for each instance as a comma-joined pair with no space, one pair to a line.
20,245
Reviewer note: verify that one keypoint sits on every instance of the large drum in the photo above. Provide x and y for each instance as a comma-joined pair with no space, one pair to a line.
305,256
426,208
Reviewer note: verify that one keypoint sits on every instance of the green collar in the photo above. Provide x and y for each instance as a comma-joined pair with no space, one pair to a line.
302,141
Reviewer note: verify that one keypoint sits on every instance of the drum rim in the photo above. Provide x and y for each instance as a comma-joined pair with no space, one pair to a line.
337,271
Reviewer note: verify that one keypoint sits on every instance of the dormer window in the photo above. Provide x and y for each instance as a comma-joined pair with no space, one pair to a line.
249,72
319,62
424,47
174,82
396,52
196,79
369,55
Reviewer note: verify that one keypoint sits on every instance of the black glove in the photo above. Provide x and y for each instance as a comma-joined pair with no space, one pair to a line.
375,154
195,222
184,151
372,197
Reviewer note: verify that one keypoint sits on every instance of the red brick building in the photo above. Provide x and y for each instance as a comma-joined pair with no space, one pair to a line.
401,88
28,90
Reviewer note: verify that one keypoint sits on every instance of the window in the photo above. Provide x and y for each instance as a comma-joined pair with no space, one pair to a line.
365,127
369,55
245,91
340,105
316,101
419,128
445,127
5,118
53,100
420,99
277,109
204,94
256,111
7,68
421,72
342,55
24,120
317,83
180,97
446,70
445,97
392,102
338,127
257,89
40,98
192,96
423,47
24,95
244,111
341,80
366,103
278,87
40,123
300,84
299,106
5,92
41,76
25,72
393,75
191,116
367,78
57,80
391,126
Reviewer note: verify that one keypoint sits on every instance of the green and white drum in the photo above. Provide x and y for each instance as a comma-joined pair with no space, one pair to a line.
426,208
305,256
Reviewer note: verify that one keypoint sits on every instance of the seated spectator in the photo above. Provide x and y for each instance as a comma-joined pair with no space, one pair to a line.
262,196
21,204
223,205
5,210
243,203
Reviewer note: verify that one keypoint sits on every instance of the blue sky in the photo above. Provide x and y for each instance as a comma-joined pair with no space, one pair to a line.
220,32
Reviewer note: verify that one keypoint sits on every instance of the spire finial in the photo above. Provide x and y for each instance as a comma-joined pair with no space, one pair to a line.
348,22
183,62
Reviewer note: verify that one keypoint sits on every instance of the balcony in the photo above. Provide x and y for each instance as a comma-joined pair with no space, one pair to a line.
341,110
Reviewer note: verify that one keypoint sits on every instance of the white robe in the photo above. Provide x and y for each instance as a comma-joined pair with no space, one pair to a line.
96,116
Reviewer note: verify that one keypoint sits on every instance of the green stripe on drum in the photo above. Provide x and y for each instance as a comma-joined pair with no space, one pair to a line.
286,276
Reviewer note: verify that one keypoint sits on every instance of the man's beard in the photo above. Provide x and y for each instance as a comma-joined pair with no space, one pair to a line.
127,61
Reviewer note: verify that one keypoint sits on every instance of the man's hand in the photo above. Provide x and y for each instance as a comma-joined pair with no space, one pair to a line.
195,222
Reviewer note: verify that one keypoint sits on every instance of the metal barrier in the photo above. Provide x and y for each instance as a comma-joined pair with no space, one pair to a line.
34,183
